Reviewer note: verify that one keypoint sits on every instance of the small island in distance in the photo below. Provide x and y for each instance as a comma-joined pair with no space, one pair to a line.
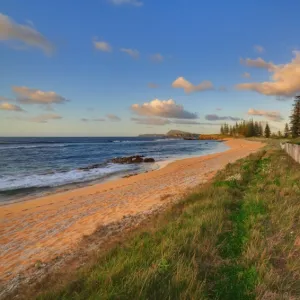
185,135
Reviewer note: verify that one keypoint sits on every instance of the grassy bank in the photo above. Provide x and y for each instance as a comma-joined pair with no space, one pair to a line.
236,238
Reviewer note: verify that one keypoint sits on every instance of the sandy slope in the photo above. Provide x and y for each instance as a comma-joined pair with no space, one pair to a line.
44,228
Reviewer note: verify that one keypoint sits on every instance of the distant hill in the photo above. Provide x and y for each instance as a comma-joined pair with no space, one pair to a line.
181,134
173,134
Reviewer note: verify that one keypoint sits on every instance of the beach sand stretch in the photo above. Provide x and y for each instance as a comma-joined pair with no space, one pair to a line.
45,228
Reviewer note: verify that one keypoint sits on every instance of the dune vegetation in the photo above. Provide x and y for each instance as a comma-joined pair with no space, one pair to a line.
238,237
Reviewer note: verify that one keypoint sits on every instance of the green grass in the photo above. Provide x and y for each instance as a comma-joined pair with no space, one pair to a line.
295,141
232,239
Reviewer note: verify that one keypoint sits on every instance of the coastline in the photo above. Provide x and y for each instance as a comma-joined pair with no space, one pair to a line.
48,227
35,192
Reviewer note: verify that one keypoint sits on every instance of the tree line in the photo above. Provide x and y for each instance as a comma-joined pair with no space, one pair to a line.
258,129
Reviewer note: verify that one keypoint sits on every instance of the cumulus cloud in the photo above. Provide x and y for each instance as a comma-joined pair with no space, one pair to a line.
102,46
44,118
10,107
131,52
246,75
257,63
157,57
271,115
214,117
285,79
27,95
259,49
188,87
152,85
130,2
151,121
113,118
163,108
12,31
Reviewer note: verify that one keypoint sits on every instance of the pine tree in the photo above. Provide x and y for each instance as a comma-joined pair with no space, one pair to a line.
222,129
267,131
256,128
286,130
261,130
295,118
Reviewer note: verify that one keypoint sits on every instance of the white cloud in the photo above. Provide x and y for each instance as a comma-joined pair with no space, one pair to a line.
163,108
27,95
257,63
246,75
271,115
130,2
188,87
214,117
102,46
10,107
259,49
285,79
151,121
113,118
11,31
157,57
131,52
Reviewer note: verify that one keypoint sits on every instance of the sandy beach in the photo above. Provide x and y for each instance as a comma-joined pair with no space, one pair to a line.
45,228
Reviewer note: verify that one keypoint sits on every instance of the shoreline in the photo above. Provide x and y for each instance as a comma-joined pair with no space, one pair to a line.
48,227
49,191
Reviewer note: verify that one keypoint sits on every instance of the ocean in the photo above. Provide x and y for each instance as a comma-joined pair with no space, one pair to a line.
35,166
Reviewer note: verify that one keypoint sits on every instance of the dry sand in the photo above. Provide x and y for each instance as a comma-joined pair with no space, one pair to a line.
44,228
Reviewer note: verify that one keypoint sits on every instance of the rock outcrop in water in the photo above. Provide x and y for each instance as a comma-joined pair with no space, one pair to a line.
136,159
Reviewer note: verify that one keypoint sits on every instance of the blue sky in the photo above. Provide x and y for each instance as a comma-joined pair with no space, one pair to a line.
201,41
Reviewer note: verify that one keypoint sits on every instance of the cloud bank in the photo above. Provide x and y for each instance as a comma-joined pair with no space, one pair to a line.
188,87
12,31
271,115
285,79
11,107
151,121
162,108
27,95
214,117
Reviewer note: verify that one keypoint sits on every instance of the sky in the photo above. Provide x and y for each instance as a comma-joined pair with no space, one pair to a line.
129,67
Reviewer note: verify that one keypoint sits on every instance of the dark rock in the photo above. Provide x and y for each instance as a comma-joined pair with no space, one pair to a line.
136,159
149,160
95,166
128,160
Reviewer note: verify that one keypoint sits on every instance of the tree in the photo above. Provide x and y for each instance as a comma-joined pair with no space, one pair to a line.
222,130
267,131
295,118
286,130
261,130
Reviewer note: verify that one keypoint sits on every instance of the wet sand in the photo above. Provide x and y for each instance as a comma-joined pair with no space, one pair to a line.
47,227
